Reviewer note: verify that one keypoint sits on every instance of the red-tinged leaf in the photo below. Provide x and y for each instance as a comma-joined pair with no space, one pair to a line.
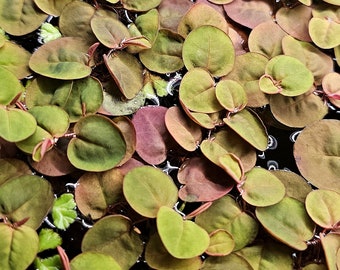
203,181
151,134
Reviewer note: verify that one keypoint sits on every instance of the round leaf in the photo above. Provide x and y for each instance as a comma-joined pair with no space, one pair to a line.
26,196
64,58
315,60
249,13
10,167
98,145
231,95
201,14
165,56
18,247
247,71
296,186
79,98
75,21
221,243
183,239
23,17
10,88
186,133
319,155
127,72
331,246
261,188
298,111
288,222
201,184
323,207
52,119
295,21
266,38
325,32
231,261
226,214
249,127
285,73
16,125
113,235
109,31
197,92
211,48
147,189
140,5
15,59
52,7
93,260
159,258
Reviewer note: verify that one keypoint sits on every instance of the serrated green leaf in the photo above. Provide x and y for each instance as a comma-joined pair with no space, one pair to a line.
48,239
63,211
50,263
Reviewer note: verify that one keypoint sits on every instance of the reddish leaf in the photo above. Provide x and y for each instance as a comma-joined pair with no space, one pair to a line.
203,181
151,134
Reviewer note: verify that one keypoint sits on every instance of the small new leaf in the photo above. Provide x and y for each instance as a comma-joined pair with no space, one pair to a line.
48,239
50,263
49,32
63,212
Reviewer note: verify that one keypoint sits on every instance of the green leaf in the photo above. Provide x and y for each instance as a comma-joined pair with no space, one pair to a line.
288,222
319,155
284,74
249,126
26,196
48,239
259,41
50,263
159,258
201,14
24,17
226,214
231,95
261,188
296,186
127,72
98,145
147,189
15,59
79,98
114,236
325,32
298,111
140,5
94,260
269,255
323,207
52,119
109,31
48,32
183,239
148,24
221,243
10,168
247,71
10,88
210,48
231,261
314,59
64,58
197,91
63,211
18,246
165,56
52,7
331,246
